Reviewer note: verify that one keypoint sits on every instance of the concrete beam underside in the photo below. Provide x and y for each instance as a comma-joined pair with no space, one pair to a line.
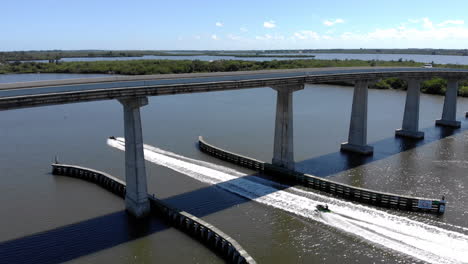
357,138
136,197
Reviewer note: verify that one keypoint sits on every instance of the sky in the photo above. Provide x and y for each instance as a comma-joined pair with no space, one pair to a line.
232,25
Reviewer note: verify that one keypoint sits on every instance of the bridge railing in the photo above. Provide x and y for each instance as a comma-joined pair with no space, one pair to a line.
206,233
357,194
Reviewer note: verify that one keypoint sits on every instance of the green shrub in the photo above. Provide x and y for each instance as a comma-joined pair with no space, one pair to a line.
434,86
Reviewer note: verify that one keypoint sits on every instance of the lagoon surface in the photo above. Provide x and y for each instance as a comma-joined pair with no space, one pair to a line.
278,225
439,59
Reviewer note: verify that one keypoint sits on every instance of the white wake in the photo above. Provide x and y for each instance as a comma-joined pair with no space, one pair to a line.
419,240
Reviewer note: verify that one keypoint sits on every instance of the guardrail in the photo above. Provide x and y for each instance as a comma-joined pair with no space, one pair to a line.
206,233
341,190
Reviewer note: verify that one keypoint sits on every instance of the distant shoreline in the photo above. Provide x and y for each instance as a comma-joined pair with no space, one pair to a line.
54,55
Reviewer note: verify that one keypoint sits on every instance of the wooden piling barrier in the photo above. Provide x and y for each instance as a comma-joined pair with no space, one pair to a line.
191,225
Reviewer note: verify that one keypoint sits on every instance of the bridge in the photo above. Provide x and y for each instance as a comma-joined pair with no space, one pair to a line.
132,93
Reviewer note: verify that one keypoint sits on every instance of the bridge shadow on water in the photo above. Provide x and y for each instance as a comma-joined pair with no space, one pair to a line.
72,241
93,235
337,162
103,232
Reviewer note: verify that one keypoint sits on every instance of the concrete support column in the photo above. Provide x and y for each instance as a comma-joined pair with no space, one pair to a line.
283,149
136,197
450,106
357,138
410,127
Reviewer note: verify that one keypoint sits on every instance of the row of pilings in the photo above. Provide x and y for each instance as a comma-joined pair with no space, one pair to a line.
348,192
212,237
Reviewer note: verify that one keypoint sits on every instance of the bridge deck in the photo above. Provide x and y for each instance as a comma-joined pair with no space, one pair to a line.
30,94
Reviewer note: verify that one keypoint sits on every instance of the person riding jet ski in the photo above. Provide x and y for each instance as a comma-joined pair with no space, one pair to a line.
323,208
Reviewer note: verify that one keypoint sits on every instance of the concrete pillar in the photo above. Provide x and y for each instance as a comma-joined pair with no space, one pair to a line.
357,138
283,149
410,127
450,106
136,197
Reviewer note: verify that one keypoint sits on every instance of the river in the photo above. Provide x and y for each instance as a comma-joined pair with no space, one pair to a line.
439,59
274,223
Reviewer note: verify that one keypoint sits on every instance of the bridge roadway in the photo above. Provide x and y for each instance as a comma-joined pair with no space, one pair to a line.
132,93
40,93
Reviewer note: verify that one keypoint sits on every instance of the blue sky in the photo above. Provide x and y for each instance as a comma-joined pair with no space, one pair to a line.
240,24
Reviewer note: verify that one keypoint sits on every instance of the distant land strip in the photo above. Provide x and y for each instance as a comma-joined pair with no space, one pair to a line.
59,54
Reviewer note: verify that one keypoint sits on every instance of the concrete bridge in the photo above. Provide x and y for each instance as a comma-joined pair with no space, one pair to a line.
132,93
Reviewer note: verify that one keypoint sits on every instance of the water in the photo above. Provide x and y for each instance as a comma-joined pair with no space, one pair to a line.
176,57
279,226
439,59
417,239
29,77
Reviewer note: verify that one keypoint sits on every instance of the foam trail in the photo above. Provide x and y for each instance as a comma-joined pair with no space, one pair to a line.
422,241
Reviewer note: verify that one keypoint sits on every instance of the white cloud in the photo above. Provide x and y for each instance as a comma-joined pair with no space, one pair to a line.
414,21
309,36
243,29
264,37
233,37
427,23
420,32
443,32
348,36
219,24
269,24
452,22
270,37
306,34
330,23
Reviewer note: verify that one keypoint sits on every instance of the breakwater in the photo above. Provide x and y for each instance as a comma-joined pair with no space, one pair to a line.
215,239
361,195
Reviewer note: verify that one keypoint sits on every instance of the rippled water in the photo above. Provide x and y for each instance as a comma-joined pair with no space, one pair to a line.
416,239
273,228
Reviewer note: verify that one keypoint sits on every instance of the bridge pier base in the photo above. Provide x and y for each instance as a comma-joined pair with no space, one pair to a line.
136,197
283,149
357,138
450,106
410,126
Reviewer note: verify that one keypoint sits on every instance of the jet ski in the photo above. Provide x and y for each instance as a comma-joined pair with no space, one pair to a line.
112,137
323,208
